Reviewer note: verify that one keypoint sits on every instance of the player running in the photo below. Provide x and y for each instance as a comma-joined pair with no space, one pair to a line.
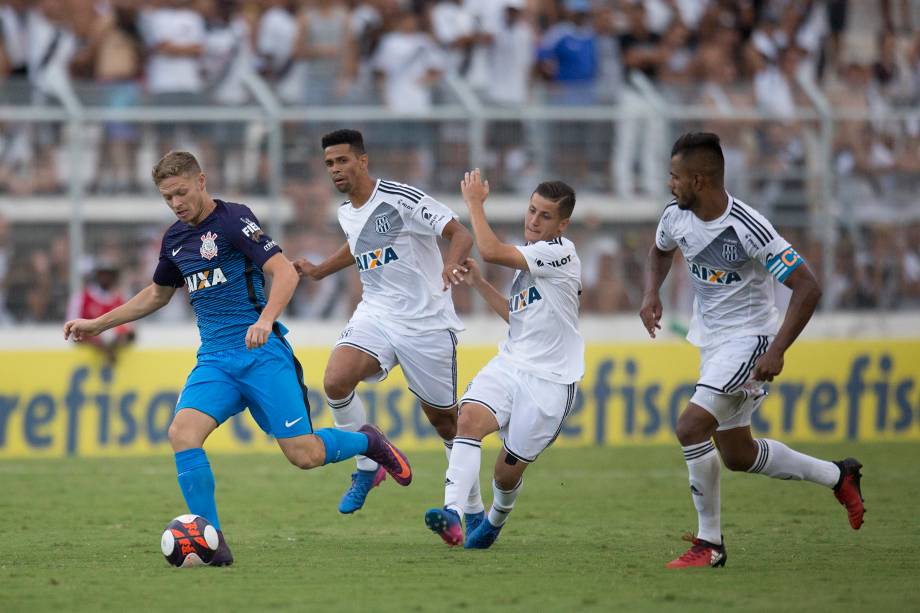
527,390
406,314
731,251
219,253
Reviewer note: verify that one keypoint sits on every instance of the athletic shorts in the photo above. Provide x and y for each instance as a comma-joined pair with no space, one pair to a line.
428,360
268,380
725,388
530,411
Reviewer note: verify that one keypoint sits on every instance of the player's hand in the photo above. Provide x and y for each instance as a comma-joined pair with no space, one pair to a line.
473,277
306,269
453,275
474,189
769,365
80,329
651,313
257,334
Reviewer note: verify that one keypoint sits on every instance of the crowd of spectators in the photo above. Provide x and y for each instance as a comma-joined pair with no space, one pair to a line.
725,59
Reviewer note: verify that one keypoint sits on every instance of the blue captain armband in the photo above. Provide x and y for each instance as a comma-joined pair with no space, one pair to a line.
782,265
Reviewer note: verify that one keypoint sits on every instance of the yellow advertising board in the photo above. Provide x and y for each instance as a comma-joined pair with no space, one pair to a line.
67,403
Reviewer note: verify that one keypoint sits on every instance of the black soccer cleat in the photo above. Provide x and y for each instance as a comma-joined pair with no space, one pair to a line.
223,556
848,491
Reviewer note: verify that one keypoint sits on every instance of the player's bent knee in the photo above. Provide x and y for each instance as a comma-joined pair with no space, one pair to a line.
737,464
337,387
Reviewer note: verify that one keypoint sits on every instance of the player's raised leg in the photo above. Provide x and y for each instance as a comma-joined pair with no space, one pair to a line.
695,428
474,422
507,484
742,452
347,367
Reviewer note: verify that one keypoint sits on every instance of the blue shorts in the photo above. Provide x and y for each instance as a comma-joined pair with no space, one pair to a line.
268,380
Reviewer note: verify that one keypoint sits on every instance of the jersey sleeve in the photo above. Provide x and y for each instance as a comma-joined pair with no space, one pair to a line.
167,273
246,236
550,258
429,217
768,247
663,238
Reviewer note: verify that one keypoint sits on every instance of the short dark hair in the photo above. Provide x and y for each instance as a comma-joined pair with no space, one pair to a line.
352,138
704,151
560,193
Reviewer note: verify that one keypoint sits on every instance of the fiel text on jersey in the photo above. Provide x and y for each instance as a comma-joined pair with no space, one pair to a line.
204,278
376,258
711,275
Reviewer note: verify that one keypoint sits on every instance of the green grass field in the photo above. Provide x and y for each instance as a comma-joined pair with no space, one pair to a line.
591,531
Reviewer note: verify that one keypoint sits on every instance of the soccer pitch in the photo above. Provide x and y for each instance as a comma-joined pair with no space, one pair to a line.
592,530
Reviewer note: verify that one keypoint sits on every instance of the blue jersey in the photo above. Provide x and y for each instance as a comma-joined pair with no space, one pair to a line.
219,262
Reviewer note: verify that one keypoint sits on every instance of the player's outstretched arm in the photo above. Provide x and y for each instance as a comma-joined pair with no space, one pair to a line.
491,248
802,304
492,296
284,282
458,250
144,303
656,271
339,260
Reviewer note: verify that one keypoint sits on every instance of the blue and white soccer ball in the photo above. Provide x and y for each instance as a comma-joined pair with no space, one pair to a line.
189,540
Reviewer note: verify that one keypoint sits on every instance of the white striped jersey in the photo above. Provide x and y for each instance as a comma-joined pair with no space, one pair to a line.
394,240
731,260
543,337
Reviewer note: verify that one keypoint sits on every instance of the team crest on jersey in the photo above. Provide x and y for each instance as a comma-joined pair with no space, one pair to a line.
523,299
204,278
711,275
208,246
382,224
375,258
730,251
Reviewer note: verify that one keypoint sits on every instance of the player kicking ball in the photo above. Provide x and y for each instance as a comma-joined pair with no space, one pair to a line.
731,251
527,390
218,252
406,314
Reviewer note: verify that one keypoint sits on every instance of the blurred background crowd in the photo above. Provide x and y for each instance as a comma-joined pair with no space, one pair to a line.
616,80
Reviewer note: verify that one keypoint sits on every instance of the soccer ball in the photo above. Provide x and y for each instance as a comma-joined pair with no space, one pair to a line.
189,540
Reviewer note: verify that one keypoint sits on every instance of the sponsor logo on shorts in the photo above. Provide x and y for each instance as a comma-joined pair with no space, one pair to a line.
376,258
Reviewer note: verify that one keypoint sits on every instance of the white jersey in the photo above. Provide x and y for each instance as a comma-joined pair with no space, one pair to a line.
730,260
394,240
543,337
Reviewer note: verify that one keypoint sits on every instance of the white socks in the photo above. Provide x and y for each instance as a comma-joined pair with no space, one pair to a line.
348,414
462,472
704,467
474,501
774,459
503,502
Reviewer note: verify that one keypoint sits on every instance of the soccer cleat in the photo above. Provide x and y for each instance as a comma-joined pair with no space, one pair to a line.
446,523
483,536
848,491
701,554
362,482
385,453
472,521
222,557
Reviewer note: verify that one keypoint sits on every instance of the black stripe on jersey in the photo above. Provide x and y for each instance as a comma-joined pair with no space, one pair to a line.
465,399
751,224
516,456
408,188
364,349
747,214
555,241
453,338
396,192
740,377
670,204
344,203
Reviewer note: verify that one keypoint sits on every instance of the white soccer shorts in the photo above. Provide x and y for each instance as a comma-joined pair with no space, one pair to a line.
530,411
428,360
725,387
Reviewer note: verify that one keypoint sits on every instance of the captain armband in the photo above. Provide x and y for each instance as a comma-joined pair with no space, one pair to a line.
782,264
